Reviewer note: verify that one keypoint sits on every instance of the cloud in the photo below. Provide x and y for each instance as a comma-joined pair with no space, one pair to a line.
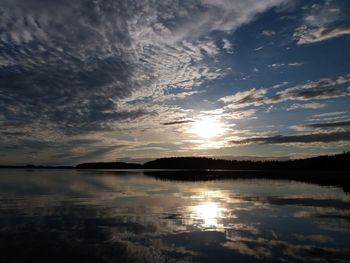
239,115
322,89
313,106
329,124
315,90
71,151
282,65
227,46
268,33
298,138
71,64
106,69
252,97
280,85
259,48
161,97
322,22
177,122
328,114
306,35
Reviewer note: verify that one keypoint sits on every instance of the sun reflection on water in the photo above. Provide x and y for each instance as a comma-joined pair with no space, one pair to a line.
208,212
208,209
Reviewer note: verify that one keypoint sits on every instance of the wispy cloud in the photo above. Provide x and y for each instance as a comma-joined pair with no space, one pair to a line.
243,114
298,138
259,48
86,67
315,90
268,33
177,122
102,53
241,99
132,72
227,46
283,65
328,125
322,22
328,114
306,35
313,106
280,85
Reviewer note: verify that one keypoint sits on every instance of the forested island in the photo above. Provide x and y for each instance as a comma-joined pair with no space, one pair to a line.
339,162
331,170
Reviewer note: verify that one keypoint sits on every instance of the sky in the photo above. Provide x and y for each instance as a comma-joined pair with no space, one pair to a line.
134,80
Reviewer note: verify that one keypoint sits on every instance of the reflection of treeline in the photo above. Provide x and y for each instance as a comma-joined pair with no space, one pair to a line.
326,178
338,162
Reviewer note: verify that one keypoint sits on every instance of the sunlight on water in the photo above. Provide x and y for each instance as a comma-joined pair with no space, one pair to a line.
137,218
208,210
209,213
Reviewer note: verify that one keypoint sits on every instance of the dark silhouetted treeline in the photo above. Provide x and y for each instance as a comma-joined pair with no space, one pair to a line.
338,162
322,170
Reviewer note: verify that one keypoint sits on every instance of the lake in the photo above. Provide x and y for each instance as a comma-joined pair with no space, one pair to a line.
130,216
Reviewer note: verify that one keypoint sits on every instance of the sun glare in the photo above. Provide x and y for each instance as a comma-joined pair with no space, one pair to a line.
208,127
209,213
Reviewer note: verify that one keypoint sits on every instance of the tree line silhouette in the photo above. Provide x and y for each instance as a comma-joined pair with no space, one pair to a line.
322,170
339,162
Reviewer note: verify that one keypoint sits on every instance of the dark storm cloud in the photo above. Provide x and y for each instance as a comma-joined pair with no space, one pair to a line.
298,138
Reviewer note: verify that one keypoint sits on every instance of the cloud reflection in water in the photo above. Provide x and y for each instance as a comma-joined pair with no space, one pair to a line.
125,215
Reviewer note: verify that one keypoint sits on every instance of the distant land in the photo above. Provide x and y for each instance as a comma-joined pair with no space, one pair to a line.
328,170
339,162
322,170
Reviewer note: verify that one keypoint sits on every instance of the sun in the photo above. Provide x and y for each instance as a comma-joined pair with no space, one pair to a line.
208,127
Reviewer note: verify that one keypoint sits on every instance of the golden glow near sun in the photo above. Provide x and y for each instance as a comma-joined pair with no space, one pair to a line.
208,127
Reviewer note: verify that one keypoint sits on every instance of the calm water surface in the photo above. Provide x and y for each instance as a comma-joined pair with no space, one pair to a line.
126,216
